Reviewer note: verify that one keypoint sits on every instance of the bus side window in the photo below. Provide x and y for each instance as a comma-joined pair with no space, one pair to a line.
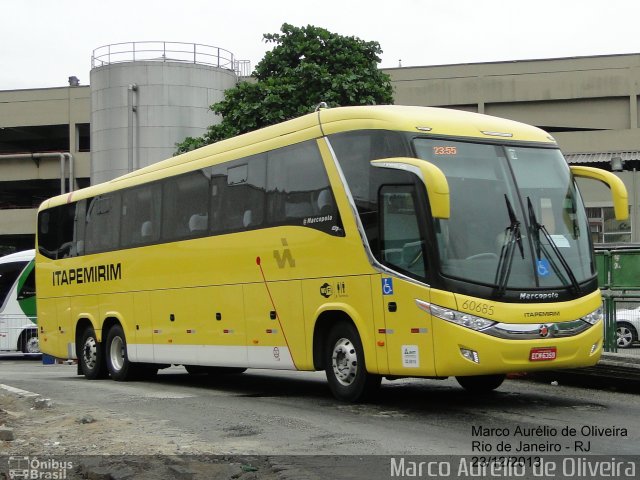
185,205
218,181
140,215
298,189
47,241
61,230
238,195
102,229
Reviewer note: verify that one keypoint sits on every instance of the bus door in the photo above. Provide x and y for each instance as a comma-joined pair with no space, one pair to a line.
10,319
408,332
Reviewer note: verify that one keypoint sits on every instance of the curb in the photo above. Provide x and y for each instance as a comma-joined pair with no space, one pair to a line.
614,370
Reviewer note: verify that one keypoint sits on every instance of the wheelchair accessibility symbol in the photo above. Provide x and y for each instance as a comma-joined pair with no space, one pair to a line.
542,266
387,286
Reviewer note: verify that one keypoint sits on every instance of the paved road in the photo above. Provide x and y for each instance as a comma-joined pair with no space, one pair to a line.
293,413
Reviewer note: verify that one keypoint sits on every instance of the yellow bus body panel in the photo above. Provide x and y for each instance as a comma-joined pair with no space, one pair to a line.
255,298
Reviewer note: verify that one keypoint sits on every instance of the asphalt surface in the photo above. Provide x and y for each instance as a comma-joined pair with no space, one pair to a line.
620,371
342,455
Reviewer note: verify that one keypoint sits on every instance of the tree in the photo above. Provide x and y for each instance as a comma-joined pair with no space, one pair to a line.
307,66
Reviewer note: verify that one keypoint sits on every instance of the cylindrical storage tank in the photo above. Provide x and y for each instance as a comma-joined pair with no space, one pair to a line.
148,96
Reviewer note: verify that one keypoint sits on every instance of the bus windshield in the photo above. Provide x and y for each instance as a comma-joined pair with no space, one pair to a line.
9,273
517,221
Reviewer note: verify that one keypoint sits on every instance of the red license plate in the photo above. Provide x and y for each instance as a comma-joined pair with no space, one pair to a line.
542,354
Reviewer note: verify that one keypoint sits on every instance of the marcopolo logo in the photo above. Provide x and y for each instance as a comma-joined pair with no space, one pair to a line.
539,295
39,468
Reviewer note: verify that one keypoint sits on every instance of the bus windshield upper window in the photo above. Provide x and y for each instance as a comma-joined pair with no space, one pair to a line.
9,272
489,187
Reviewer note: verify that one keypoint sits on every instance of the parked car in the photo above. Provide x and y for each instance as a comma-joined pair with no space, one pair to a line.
627,327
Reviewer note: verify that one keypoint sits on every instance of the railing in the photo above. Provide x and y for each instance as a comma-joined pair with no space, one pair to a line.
619,280
169,52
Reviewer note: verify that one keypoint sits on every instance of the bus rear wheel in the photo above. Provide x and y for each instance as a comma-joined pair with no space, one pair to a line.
118,364
91,356
345,366
481,383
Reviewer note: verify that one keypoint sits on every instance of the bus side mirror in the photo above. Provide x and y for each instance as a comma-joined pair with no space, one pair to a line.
431,176
618,190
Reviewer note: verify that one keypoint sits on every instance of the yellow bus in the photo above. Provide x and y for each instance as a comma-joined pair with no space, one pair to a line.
369,242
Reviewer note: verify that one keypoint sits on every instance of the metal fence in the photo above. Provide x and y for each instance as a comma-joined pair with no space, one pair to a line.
619,280
160,51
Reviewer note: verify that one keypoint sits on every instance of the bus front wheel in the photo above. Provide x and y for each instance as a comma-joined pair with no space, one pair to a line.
481,383
345,366
91,357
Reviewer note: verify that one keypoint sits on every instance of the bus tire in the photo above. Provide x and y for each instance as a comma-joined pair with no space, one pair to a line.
91,355
345,365
118,364
29,341
481,383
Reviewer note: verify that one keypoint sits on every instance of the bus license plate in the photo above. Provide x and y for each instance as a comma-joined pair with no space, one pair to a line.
542,354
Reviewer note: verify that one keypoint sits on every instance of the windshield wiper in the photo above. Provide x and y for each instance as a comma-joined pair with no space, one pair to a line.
512,237
536,228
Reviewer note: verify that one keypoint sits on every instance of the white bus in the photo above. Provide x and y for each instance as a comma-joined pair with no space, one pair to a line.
18,329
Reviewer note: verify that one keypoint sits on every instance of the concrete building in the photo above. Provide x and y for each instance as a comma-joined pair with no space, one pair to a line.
144,97
40,120
589,104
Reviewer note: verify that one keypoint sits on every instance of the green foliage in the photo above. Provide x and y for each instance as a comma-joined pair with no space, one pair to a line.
307,66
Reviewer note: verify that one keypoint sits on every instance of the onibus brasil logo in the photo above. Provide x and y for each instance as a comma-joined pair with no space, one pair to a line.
37,468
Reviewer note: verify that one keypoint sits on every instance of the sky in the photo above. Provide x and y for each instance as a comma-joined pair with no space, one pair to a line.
43,42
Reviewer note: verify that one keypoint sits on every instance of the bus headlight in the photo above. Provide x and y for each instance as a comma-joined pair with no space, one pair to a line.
593,317
459,318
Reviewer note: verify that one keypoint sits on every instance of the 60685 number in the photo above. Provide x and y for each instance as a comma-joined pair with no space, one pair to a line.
478,307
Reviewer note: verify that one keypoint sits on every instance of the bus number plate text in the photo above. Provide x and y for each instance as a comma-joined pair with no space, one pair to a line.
542,354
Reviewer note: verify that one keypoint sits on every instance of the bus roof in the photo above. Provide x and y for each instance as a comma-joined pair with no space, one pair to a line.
426,120
26,255
431,120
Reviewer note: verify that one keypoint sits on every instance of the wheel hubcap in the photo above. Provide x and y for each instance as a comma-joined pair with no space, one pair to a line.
116,353
344,361
33,346
90,353
624,337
